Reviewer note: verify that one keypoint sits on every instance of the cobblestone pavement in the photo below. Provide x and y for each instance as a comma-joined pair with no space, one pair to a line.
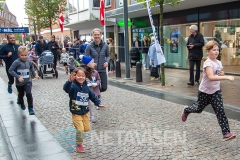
134,126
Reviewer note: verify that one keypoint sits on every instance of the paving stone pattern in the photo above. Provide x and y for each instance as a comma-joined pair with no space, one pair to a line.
134,126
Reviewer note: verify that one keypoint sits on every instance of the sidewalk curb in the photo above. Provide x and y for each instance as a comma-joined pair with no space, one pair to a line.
7,140
234,108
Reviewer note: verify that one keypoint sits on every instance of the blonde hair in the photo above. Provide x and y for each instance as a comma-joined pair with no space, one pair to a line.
22,49
210,44
96,29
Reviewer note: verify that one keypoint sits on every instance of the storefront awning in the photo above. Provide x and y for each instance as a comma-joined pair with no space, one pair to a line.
88,25
138,10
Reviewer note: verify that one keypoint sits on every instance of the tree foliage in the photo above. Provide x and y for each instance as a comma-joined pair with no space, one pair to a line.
161,3
44,13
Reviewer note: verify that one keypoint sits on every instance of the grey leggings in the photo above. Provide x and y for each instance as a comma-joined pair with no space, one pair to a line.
216,102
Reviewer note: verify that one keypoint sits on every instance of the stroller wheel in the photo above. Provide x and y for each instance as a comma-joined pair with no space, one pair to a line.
56,73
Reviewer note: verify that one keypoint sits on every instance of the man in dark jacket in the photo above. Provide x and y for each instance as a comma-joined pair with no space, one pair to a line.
53,47
9,53
99,51
40,46
195,54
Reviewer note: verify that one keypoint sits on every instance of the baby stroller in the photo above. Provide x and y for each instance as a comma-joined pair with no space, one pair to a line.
134,56
46,65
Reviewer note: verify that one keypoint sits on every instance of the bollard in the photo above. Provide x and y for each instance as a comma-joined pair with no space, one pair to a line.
118,68
139,72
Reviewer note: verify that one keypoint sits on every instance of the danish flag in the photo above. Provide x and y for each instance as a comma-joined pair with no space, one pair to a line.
102,12
61,19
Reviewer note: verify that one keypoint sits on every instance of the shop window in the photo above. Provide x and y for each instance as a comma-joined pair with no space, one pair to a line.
227,34
72,6
107,3
96,3
83,4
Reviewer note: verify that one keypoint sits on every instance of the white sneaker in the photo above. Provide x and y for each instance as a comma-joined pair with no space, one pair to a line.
92,119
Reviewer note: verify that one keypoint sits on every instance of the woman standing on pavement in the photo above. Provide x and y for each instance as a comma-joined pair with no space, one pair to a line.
209,90
153,59
145,57
112,55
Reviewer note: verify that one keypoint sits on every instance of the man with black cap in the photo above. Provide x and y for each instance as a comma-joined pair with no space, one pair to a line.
40,46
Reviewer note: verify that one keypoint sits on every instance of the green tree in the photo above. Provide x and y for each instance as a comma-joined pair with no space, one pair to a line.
45,13
161,4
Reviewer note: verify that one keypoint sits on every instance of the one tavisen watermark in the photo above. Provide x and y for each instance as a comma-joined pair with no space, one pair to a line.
108,138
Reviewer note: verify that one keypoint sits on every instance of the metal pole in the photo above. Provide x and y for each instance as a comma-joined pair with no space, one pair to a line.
35,33
127,60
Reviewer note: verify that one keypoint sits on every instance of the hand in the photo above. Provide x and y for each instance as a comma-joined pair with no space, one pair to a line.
94,86
20,79
190,46
53,47
230,78
37,77
9,54
101,106
105,64
152,61
72,76
221,73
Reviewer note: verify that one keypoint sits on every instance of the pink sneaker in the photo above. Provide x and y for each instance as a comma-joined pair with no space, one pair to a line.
80,149
228,136
184,115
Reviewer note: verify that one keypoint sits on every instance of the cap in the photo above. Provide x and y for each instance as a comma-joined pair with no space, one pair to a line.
71,57
40,37
85,59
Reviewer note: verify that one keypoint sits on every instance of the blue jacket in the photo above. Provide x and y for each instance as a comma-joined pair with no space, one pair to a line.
79,96
152,53
4,53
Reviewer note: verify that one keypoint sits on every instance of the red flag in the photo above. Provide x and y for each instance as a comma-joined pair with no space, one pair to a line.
61,19
23,34
102,6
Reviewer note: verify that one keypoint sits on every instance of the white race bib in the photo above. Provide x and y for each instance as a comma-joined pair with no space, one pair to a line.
24,73
82,99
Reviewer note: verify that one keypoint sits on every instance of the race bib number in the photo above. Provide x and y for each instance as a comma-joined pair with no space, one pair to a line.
24,73
82,99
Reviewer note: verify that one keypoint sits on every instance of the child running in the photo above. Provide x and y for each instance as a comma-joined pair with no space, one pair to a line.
20,69
79,94
64,57
72,64
209,90
93,81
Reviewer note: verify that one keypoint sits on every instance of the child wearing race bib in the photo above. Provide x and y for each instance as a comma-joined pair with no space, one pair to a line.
21,70
93,81
209,90
80,94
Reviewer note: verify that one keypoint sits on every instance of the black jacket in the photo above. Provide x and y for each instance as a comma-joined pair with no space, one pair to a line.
39,48
4,53
196,52
56,47
145,48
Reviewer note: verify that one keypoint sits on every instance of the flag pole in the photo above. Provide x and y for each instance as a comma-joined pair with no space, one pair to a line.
105,36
